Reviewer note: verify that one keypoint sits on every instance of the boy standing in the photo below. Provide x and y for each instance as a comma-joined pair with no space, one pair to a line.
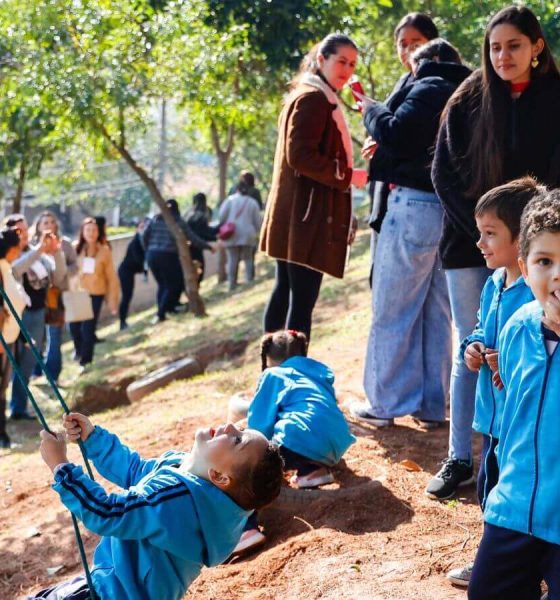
521,542
178,513
498,218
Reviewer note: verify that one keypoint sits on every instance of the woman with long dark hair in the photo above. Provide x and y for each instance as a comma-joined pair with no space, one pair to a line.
307,221
501,124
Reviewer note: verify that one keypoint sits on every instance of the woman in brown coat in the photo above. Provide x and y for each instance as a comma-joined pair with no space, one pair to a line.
307,224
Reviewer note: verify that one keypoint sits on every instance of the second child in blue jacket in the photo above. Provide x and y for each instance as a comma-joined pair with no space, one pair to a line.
498,218
177,513
521,542
295,406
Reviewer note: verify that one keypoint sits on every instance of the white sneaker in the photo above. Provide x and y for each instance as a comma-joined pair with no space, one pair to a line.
249,540
316,478
461,576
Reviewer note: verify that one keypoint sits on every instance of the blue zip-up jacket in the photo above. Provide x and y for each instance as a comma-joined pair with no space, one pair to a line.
526,496
497,304
158,533
295,405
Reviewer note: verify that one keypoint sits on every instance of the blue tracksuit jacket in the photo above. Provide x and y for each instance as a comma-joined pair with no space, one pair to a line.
527,495
295,405
158,533
497,304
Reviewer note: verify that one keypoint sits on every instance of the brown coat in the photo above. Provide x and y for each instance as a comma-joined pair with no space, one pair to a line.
309,209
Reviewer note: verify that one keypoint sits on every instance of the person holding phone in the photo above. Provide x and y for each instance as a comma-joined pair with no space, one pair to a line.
308,219
413,31
38,267
408,361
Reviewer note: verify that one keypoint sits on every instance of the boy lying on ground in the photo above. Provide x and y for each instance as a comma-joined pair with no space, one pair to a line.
178,512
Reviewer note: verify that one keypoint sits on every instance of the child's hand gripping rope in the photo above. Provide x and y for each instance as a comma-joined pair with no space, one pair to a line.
77,426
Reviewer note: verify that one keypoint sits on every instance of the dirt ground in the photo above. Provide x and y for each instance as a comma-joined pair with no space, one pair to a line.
372,534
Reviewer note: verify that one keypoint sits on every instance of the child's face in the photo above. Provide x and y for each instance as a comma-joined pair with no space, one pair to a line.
224,449
496,243
541,271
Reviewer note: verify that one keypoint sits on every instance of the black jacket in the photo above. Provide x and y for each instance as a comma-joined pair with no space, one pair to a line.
198,222
406,126
532,148
134,258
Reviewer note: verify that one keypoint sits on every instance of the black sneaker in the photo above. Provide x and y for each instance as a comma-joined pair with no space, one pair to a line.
453,474
4,440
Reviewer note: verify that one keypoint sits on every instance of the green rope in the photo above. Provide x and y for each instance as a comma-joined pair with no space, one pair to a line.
19,375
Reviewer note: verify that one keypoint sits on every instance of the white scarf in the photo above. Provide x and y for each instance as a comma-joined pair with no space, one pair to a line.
338,116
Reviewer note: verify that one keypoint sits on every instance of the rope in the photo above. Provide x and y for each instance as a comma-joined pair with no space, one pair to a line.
43,421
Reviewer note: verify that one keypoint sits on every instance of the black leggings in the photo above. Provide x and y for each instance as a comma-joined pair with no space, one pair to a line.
293,298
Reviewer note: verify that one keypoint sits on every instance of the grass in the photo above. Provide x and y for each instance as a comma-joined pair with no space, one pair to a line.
143,348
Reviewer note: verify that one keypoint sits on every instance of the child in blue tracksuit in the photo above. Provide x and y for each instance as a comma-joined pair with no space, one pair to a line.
295,406
521,542
178,512
498,218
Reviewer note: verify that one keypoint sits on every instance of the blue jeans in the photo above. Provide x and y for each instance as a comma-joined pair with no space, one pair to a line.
83,333
409,353
34,322
53,354
465,286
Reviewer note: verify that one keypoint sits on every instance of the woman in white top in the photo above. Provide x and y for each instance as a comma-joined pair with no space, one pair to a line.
9,251
243,211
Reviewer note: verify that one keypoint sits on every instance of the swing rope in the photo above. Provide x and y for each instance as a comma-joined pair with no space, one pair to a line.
43,421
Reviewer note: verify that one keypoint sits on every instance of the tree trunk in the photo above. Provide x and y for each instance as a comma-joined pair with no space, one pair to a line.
222,155
190,275
16,206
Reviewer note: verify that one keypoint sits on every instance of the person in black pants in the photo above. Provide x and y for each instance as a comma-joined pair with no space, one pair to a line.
197,220
291,303
308,222
163,258
133,263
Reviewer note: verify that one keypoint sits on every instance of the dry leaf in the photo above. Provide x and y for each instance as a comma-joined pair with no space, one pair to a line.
410,465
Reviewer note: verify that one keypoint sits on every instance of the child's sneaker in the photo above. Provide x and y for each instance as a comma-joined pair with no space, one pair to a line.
312,480
454,473
360,410
461,576
249,540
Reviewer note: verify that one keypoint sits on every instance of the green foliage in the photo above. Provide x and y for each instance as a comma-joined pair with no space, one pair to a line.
282,30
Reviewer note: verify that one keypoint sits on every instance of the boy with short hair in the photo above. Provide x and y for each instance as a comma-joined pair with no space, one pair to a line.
521,542
498,218
178,513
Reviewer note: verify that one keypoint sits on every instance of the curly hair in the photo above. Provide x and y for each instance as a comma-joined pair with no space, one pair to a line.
283,344
542,215
259,484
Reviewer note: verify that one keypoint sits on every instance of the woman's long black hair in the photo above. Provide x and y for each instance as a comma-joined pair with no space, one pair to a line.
487,96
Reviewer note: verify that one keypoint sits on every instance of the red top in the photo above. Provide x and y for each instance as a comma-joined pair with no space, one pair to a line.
519,88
